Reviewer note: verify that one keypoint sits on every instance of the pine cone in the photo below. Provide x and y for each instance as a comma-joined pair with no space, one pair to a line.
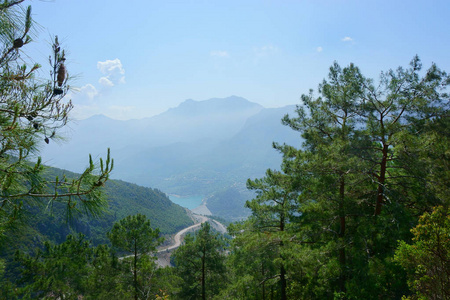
18,43
61,74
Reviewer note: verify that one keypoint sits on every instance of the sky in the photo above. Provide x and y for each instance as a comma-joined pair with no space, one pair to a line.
135,59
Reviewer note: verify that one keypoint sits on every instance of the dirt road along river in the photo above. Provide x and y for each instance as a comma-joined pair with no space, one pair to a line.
179,234
163,254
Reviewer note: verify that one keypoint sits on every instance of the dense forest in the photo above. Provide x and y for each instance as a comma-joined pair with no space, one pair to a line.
359,211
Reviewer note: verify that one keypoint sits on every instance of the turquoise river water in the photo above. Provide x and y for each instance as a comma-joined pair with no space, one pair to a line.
189,202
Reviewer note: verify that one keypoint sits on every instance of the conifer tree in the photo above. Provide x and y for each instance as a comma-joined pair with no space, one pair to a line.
134,234
363,172
32,110
251,262
58,271
200,262
327,165
272,212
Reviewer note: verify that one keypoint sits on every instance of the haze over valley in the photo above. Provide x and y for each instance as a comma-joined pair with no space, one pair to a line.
198,148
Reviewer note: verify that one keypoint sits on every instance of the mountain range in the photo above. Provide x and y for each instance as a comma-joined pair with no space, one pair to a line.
197,148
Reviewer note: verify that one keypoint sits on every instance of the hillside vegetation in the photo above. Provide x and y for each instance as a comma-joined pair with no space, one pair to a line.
126,199
123,198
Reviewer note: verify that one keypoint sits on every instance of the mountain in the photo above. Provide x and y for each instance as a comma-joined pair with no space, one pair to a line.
197,148
214,119
229,203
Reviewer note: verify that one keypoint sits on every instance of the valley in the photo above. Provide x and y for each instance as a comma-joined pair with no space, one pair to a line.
207,148
326,176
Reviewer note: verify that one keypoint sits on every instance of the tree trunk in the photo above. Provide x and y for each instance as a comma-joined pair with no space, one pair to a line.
203,275
283,283
282,270
342,260
264,283
381,180
135,272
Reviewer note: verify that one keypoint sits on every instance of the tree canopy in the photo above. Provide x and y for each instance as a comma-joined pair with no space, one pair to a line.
366,170
200,264
32,110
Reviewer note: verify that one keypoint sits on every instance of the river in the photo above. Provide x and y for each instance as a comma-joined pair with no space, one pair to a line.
189,202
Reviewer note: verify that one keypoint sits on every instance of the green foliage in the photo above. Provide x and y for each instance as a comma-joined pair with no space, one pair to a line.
331,219
32,110
361,186
75,268
44,225
57,270
166,283
200,263
252,262
134,234
427,259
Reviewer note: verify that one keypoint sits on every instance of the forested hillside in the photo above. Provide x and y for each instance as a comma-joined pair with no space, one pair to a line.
229,203
40,226
123,199
52,223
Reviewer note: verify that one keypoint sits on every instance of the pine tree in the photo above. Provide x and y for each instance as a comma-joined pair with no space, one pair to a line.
32,110
363,172
200,262
58,271
134,234
272,212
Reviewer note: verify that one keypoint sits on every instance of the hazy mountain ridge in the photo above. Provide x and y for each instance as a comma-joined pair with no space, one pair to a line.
192,120
199,147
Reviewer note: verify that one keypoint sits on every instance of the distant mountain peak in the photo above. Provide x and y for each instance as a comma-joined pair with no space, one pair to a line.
100,117
234,102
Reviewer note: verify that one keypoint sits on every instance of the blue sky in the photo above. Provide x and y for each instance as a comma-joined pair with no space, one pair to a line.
137,58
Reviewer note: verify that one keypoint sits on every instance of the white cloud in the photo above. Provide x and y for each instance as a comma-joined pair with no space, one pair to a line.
264,52
105,81
88,91
319,49
347,39
114,71
109,67
219,53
